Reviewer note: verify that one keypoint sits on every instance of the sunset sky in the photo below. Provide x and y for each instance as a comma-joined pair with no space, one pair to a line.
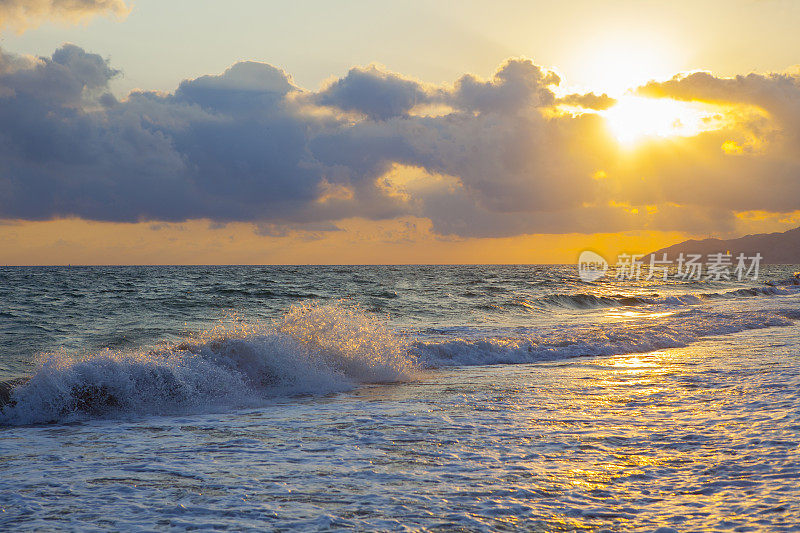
392,132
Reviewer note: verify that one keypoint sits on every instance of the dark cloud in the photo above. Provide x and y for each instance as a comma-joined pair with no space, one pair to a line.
62,80
250,145
245,88
374,92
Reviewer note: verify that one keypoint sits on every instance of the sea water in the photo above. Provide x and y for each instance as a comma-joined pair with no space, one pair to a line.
397,397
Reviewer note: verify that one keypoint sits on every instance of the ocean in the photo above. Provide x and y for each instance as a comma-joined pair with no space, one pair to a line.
475,398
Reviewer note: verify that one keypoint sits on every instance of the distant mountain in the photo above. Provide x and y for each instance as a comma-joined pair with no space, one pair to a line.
775,248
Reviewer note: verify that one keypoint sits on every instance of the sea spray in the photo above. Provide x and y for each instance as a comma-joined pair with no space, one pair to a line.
321,348
312,349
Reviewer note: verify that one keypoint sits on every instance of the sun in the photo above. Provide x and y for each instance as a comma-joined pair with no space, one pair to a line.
634,119
616,60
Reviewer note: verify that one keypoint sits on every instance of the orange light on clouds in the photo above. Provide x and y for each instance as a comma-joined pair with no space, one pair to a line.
619,60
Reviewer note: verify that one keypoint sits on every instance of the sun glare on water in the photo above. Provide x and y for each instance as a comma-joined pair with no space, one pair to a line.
634,119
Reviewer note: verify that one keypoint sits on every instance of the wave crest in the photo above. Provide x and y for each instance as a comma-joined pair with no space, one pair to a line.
674,331
594,301
312,349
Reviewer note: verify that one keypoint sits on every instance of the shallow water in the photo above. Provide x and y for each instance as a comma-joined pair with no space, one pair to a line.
421,409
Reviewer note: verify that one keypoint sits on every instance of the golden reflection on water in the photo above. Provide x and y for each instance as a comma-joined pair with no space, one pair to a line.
623,382
636,374
627,314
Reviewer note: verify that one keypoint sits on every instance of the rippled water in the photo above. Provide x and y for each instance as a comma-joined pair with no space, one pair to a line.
396,397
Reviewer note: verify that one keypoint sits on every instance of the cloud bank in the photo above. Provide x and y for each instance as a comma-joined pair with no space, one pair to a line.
479,157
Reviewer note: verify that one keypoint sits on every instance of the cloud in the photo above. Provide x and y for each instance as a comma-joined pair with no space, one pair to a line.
777,94
20,15
598,102
753,162
244,88
374,92
766,90
517,84
497,159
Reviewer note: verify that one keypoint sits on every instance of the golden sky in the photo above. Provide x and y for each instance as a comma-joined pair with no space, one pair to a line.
630,129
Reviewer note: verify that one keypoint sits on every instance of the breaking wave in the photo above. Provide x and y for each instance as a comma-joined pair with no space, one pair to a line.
678,330
319,349
313,349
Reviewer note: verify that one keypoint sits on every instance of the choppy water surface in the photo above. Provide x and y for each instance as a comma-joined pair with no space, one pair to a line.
390,397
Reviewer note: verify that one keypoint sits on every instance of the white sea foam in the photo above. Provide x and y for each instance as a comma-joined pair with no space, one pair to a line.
318,349
312,349
671,331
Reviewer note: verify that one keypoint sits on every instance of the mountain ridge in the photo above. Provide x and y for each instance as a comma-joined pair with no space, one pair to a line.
775,248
